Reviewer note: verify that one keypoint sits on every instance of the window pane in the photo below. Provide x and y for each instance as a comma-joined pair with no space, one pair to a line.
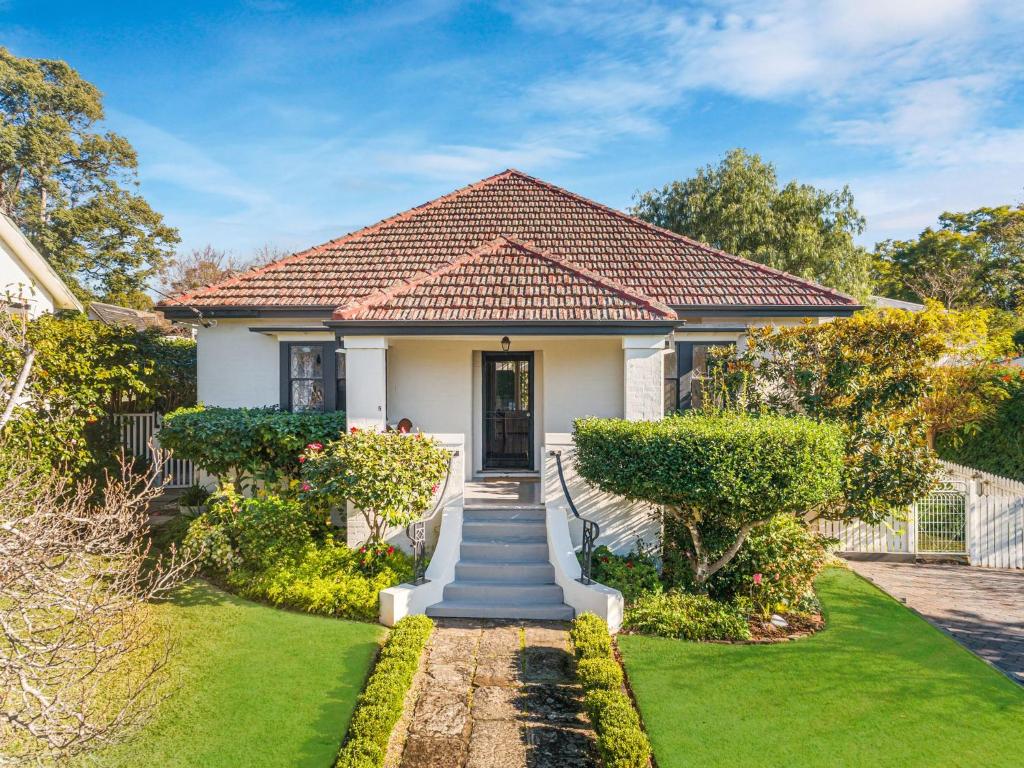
307,395
341,366
306,362
671,364
671,395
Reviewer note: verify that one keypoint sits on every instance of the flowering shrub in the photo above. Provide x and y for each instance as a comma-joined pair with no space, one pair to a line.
633,575
389,476
774,569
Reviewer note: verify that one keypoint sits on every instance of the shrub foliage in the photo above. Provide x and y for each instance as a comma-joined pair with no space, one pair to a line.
247,444
715,469
688,617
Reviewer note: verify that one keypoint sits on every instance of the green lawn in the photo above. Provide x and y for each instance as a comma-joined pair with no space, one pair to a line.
252,686
878,687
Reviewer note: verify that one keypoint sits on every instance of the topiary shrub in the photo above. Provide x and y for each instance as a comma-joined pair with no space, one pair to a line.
589,637
688,617
390,477
604,673
247,445
727,469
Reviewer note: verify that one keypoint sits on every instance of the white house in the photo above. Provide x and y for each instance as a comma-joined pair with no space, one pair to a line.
493,317
26,276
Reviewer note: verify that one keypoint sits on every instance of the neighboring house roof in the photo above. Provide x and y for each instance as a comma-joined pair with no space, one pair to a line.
33,266
883,302
576,238
111,314
506,280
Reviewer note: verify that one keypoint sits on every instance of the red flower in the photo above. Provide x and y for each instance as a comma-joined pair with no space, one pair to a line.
315,447
353,430
629,565
301,459
391,550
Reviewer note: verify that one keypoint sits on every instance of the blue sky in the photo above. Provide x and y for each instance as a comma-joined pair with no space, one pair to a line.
289,123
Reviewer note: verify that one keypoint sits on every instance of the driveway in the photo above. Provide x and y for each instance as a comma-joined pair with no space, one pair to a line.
982,609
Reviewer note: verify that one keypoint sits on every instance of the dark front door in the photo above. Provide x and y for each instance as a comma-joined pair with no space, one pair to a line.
508,410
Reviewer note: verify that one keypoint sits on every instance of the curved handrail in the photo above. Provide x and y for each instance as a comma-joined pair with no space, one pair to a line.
591,530
416,531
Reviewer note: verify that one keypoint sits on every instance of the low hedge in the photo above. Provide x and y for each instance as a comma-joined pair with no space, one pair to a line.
380,704
687,617
621,740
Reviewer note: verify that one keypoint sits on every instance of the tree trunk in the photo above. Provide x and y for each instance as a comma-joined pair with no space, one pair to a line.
701,565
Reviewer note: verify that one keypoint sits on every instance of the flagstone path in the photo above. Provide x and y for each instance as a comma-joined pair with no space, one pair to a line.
496,694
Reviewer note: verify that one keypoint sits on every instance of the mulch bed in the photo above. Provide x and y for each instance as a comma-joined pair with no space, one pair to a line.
799,626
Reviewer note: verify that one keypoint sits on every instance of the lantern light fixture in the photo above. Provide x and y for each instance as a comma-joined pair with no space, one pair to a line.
506,342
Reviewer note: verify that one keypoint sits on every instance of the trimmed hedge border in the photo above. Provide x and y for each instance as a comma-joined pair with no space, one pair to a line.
621,740
379,706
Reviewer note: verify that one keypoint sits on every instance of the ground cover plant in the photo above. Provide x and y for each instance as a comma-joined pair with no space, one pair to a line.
380,704
620,738
878,686
249,685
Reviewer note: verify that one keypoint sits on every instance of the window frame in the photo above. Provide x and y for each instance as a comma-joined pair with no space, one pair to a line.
684,366
329,351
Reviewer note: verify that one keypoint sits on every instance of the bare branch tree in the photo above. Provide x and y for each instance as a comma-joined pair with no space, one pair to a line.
80,651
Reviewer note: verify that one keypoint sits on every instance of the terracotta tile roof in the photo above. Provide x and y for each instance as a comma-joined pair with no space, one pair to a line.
638,256
508,281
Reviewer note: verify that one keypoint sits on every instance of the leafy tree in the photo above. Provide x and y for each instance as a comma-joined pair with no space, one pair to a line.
390,477
713,470
70,186
739,207
972,258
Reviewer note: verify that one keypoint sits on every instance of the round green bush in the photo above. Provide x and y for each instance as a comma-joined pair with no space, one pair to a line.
602,673
610,708
624,747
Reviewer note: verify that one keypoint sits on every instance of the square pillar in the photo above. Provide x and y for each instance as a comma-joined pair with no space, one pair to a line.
366,382
644,377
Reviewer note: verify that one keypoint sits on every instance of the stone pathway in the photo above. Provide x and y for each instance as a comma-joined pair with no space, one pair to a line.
982,608
497,694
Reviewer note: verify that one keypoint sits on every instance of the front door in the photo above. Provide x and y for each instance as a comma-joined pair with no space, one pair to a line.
508,410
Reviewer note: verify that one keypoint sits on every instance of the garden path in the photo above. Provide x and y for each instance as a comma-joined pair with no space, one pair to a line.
981,608
496,694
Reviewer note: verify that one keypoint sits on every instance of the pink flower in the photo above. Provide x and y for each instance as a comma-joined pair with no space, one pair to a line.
301,459
305,486
757,579
315,447
434,489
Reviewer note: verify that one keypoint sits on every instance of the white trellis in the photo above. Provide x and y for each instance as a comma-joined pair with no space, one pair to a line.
973,513
139,433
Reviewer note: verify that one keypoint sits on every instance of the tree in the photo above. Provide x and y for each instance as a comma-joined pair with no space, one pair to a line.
80,652
200,267
973,258
715,470
738,206
69,186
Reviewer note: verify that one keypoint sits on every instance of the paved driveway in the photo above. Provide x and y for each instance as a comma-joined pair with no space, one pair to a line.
982,608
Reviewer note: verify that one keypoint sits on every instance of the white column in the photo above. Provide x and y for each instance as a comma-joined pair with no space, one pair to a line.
366,399
643,368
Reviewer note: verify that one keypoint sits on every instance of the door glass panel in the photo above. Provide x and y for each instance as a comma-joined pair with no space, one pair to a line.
307,395
508,435
306,362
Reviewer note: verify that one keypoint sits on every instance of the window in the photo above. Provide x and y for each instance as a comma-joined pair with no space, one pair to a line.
312,377
685,365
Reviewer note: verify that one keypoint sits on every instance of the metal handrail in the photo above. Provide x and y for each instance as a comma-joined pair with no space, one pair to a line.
591,530
416,531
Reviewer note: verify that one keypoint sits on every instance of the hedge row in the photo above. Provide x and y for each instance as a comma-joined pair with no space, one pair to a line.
380,704
620,739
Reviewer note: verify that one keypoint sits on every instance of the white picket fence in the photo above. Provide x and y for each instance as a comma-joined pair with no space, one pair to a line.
140,437
978,514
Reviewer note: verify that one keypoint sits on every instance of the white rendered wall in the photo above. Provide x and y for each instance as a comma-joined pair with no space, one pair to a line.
16,281
643,378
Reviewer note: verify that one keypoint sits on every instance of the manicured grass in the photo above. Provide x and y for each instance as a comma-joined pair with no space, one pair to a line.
879,686
252,686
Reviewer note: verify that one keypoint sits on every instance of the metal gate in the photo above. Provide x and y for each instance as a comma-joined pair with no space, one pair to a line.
941,520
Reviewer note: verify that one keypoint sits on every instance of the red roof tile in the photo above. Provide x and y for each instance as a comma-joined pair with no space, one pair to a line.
506,280
562,227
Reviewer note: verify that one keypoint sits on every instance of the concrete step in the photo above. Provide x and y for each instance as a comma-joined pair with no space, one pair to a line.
491,610
505,594
504,530
505,573
505,552
479,514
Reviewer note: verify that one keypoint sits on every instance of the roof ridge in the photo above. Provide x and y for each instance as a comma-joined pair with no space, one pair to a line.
345,312
677,236
368,229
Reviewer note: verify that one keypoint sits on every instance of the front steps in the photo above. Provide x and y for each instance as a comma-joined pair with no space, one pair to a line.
503,570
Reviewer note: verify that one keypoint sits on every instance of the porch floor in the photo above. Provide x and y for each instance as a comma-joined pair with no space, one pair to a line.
502,492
